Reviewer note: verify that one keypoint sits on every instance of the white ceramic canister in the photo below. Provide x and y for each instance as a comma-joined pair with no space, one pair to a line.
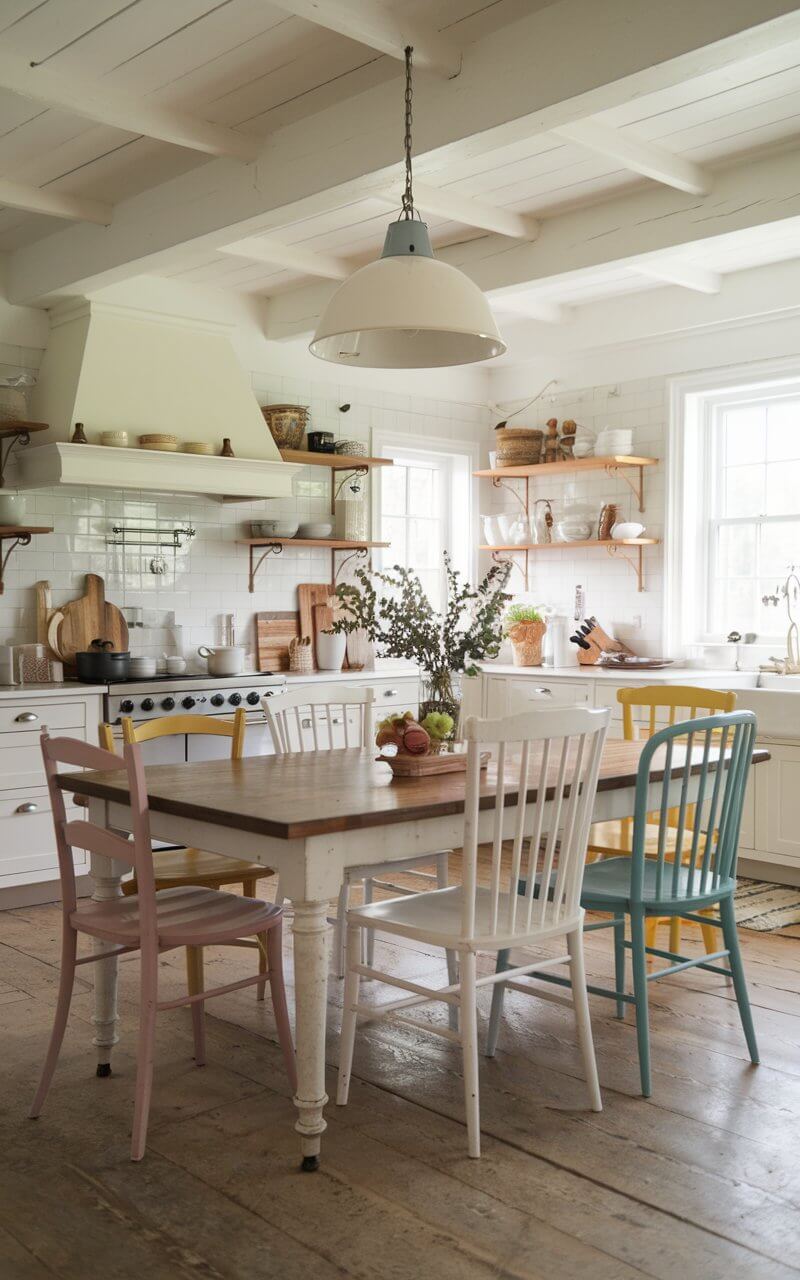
224,660
331,648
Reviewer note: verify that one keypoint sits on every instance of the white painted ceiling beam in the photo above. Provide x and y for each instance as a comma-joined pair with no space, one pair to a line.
442,203
545,310
646,158
620,230
19,195
290,257
763,294
686,274
99,102
332,158
371,24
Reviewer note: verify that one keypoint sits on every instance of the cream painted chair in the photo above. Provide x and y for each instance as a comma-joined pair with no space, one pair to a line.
341,715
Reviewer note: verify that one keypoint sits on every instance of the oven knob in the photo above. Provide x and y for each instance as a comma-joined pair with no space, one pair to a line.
126,706
168,704
188,703
253,699
235,699
147,704
217,699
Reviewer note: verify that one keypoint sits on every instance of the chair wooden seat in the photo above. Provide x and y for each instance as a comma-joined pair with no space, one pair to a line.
185,916
200,867
436,917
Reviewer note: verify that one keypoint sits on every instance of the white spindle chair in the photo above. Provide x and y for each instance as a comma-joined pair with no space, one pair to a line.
299,723
544,785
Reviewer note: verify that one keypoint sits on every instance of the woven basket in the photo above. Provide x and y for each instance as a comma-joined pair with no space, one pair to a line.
518,446
526,641
301,657
286,423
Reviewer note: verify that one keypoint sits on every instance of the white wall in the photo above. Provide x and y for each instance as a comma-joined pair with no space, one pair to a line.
208,578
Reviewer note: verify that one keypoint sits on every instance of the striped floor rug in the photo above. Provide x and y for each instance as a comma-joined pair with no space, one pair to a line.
764,906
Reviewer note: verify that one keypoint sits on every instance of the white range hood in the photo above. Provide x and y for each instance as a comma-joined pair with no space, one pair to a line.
119,369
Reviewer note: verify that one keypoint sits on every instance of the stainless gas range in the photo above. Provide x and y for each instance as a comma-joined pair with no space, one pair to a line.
144,700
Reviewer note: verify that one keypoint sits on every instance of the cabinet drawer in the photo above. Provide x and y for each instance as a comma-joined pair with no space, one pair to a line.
390,694
29,716
27,839
21,762
521,694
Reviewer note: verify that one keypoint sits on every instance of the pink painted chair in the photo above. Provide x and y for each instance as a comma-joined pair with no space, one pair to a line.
150,922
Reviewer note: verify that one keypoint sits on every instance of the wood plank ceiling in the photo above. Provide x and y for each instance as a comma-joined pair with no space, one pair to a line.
254,67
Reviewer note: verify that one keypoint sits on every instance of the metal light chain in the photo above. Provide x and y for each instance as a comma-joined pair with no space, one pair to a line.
408,197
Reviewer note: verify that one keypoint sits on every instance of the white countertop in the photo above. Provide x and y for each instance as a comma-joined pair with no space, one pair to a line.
71,689
728,679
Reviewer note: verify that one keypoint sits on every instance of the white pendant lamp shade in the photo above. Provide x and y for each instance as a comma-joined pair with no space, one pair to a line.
407,311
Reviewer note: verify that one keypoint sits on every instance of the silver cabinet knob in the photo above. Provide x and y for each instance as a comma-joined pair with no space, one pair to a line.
25,717
30,807
544,689
390,693
306,723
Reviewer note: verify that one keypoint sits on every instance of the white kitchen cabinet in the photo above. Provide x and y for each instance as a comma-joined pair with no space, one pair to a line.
507,695
28,858
777,806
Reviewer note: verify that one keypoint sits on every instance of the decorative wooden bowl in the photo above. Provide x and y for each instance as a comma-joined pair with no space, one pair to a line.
407,766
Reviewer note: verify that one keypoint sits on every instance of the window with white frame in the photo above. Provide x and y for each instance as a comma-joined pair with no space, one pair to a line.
422,507
735,508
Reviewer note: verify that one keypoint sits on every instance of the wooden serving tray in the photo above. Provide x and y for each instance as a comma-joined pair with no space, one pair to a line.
405,766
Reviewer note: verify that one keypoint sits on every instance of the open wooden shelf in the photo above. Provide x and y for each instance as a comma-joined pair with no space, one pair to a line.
336,544
564,546
17,428
336,461
613,462
15,530
274,546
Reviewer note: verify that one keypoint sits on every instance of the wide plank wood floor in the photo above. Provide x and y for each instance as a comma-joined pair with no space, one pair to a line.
702,1180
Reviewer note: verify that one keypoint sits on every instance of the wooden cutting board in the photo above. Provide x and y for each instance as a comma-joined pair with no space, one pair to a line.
310,594
90,618
274,632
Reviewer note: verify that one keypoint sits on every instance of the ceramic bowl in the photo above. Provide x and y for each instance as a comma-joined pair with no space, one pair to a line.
284,528
627,529
114,439
315,529
573,529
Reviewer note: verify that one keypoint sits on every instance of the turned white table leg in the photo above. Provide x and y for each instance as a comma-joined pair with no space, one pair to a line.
311,938
106,876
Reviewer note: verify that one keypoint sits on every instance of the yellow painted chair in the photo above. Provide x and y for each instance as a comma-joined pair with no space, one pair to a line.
609,839
173,867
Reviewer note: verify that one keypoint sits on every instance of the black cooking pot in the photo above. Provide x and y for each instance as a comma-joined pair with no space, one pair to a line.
101,664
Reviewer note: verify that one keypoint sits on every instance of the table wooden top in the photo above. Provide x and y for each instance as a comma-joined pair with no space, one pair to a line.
294,796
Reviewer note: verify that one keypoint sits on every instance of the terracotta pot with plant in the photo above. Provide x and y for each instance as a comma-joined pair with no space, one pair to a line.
525,628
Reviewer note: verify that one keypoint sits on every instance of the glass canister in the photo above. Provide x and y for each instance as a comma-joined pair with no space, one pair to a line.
350,510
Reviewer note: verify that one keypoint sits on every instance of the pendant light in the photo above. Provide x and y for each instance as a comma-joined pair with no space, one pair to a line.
407,310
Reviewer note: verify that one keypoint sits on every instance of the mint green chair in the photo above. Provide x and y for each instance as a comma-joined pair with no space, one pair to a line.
699,871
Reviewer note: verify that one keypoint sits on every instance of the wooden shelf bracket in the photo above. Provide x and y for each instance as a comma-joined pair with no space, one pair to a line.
271,549
15,540
623,473
499,558
636,564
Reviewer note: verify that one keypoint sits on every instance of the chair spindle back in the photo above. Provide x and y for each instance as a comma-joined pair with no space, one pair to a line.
545,775
301,723
717,751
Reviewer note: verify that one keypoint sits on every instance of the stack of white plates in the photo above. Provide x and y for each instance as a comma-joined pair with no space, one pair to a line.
613,440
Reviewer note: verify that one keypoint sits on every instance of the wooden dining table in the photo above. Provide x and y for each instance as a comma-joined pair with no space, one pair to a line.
309,817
